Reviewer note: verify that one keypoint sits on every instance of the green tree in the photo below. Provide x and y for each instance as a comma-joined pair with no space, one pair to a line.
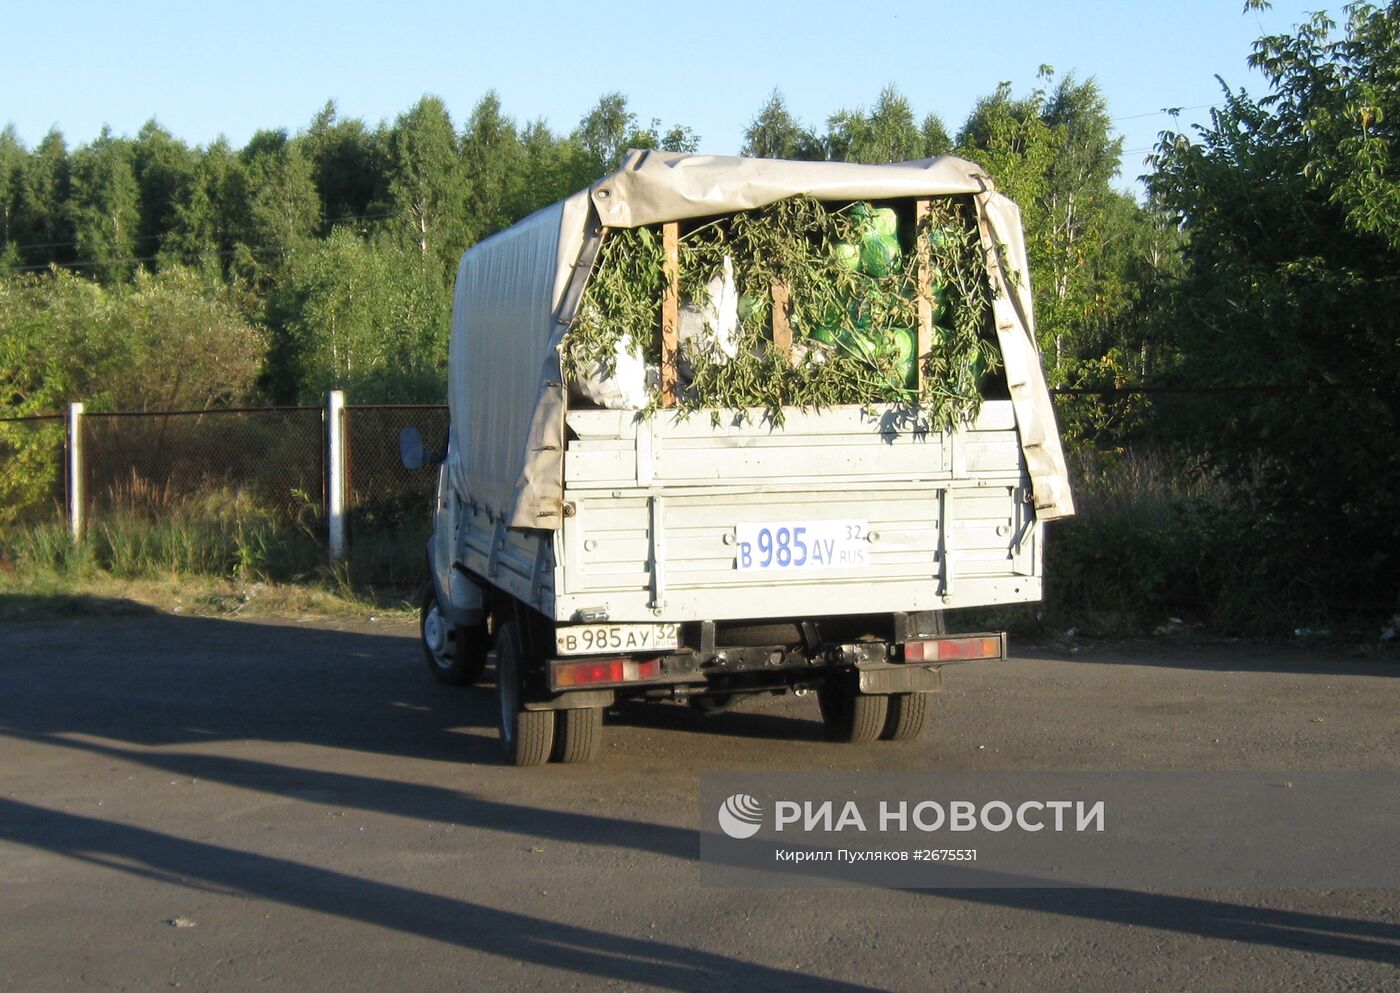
349,166
369,318
549,165
13,158
105,207
164,169
1292,276
775,134
43,224
1343,93
888,133
678,138
427,185
936,140
603,134
1078,202
493,165
211,214
283,209
1054,153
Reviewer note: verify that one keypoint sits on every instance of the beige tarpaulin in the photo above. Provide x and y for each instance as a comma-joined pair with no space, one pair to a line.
514,291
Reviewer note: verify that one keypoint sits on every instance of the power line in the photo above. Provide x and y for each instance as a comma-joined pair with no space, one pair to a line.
1172,111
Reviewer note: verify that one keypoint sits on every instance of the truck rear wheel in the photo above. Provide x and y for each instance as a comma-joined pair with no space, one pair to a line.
527,736
456,655
850,715
908,713
578,734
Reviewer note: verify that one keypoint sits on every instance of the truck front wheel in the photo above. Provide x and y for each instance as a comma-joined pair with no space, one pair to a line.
850,715
527,736
456,655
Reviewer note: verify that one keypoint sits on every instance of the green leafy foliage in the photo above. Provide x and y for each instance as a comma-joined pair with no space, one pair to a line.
161,342
1291,261
1090,246
369,317
852,322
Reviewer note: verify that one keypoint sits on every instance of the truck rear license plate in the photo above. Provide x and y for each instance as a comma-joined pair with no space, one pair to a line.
801,545
590,639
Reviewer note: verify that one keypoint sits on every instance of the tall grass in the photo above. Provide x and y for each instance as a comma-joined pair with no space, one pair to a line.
145,532
1155,538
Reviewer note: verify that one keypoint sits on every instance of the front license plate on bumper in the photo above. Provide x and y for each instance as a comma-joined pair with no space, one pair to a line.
591,639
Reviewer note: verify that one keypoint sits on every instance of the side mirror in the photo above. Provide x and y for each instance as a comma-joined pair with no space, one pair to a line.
411,448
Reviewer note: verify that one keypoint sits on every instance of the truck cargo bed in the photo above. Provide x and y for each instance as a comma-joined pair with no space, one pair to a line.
655,509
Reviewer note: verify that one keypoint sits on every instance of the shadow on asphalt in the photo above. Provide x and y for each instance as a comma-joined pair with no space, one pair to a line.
43,607
647,962
732,723
168,680
1284,659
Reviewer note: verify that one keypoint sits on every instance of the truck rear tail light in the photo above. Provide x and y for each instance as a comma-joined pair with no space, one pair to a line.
981,646
597,672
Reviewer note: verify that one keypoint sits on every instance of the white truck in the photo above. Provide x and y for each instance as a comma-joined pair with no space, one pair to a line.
605,554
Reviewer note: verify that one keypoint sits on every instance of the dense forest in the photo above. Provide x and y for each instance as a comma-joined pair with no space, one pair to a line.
1262,272
332,250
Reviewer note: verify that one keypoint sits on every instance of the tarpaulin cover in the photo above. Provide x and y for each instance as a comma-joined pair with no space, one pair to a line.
516,290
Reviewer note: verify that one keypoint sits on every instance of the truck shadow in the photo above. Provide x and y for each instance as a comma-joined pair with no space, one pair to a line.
737,723
157,680
136,690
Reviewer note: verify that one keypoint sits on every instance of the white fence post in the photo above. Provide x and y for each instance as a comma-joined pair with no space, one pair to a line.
335,472
76,497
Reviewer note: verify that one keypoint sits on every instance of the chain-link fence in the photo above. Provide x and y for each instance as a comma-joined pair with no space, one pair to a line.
377,483
272,458
230,487
388,507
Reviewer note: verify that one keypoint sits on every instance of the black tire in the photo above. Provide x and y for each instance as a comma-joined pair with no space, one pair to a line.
527,736
460,653
578,734
851,716
908,714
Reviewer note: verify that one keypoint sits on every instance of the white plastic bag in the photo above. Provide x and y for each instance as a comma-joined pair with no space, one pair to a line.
711,327
630,385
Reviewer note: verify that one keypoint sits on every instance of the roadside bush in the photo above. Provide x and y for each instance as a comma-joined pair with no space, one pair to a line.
1156,538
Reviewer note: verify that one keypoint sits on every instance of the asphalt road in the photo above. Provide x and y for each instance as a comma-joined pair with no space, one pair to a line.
204,804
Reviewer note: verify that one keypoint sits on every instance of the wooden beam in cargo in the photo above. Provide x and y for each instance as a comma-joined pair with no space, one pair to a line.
925,288
782,330
670,314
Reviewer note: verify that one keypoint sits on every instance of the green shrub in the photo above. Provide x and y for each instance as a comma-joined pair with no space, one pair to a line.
1156,537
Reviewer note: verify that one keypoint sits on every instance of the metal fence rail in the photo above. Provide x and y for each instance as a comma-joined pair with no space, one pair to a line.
280,460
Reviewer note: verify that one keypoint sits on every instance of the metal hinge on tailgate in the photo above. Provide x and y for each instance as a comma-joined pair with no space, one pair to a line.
656,510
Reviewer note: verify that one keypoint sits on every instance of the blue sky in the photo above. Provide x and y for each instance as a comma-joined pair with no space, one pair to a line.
206,69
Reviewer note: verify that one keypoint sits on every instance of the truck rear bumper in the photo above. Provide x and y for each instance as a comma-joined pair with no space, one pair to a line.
881,667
